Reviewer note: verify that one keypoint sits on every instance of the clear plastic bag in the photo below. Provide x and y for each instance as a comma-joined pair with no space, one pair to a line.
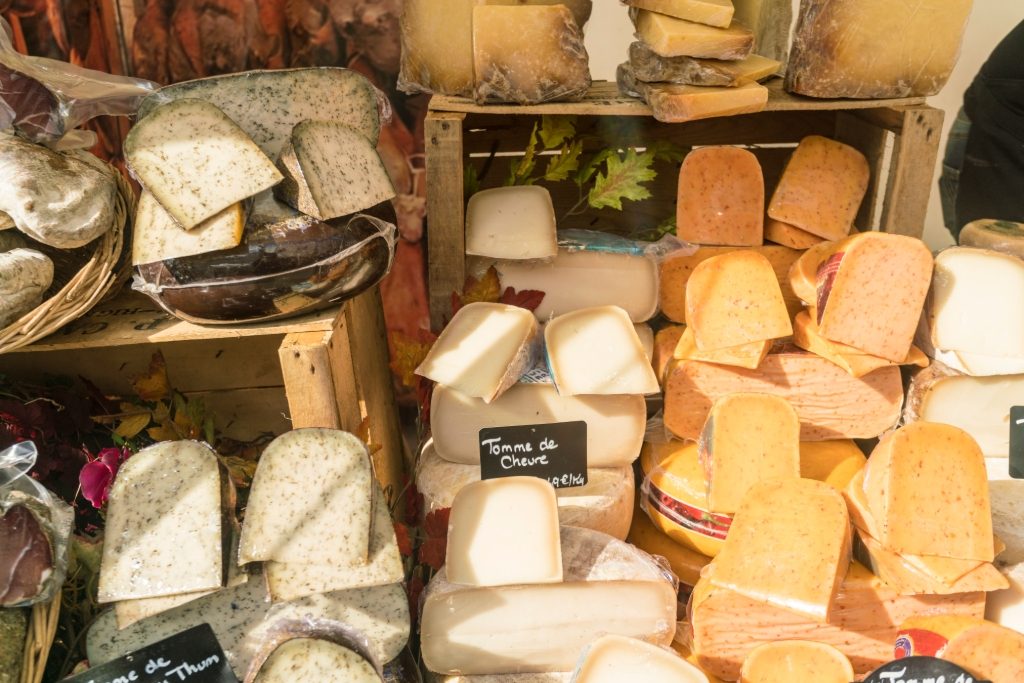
45,99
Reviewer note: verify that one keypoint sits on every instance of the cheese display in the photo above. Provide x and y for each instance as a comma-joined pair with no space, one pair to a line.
612,659
827,43
310,659
1003,236
747,438
196,181
807,336
796,660
747,355
615,423
674,103
711,12
673,37
159,237
511,223
721,197
986,650
608,587
788,235
597,351
821,188
604,503
770,20
25,276
685,563
483,350
650,67
165,514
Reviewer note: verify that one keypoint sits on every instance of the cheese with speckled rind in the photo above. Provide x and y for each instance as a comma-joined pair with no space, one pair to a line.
721,197
674,37
305,479
747,355
789,235
613,659
196,161
163,524
156,236
308,659
511,223
796,660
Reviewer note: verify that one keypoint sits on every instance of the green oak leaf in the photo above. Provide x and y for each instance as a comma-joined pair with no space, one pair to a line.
623,180
555,129
565,162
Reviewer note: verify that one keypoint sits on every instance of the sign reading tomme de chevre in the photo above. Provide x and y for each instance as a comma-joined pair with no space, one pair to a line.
555,452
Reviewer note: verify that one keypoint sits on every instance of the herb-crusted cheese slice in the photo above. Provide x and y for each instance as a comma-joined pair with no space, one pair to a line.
309,659
310,500
196,161
331,170
163,524
158,237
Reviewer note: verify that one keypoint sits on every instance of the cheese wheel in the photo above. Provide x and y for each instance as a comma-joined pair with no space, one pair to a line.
796,660
305,659
1003,236
721,197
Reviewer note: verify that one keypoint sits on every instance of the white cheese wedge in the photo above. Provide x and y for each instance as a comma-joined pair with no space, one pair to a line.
1006,496
308,659
130,611
614,659
483,351
581,278
597,351
331,170
503,532
196,161
608,587
646,334
310,500
157,237
615,423
163,532
511,223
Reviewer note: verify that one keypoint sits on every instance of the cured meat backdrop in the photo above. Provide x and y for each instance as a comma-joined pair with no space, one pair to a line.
175,40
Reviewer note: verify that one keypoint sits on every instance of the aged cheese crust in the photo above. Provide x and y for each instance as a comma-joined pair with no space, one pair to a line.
651,67
25,275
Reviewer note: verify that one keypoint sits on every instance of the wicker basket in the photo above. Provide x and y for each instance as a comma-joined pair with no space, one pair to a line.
42,628
82,277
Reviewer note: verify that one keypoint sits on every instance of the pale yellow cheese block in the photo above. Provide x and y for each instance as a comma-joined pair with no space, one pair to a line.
807,336
672,103
674,37
747,355
716,13
614,659
796,660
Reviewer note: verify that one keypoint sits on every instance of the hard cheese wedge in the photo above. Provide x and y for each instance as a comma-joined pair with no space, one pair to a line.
789,235
711,12
331,170
613,659
597,351
504,531
747,355
483,350
721,198
511,223
903,474
686,564
789,545
157,236
803,273
164,524
615,424
308,659
734,299
672,103
608,587
673,37
796,660
986,650
821,187
807,336
770,21
1003,236
304,479
747,438
650,67
196,177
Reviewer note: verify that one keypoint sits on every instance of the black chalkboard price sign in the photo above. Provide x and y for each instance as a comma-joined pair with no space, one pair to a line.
556,452
921,670
192,656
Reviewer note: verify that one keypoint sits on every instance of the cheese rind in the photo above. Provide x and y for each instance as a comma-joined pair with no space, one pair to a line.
721,197
711,12
308,659
803,273
747,355
672,103
156,236
650,67
1002,236
674,37
511,223
807,336
796,660
789,235
770,21
612,659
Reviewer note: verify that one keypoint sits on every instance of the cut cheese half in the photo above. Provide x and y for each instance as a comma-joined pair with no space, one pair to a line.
309,659
196,161
803,273
672,103
646,335
796,660
747,355
483,350
986,650
711,12
789,235
721,197
304,480
331,170
747,438
686,563
613,659
597,351
1002,236
734,299
665,343
789,545
674,37
906,469
615,423
164,524
156,236
807,336
511,223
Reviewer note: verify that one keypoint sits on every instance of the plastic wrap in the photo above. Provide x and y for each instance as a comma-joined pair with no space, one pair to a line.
35,527
289,630
44,99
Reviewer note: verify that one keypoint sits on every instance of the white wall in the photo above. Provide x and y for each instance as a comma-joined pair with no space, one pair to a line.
609,33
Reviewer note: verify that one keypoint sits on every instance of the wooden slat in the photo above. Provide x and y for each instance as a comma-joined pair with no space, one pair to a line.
911,171
308,382
446,240
246,414
871,141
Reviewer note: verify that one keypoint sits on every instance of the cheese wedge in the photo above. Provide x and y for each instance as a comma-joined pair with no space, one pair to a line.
1005,496
734,299
747,438
157,236
483,350
646,335
803,273
511,223
650,67
1006,237
674,37
308,659
608,587
665,343
282,523
672,103
821,187
721,197
1006,607
833,462
788,235
597,351
796,660
807,336
871,403
196,161
613,659
686,564
770,20
789,545
130,611
905,470
747,355
164,524
986,650
615,423
676,268
711,12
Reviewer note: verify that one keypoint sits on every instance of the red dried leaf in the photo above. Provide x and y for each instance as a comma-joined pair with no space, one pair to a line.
435,524
529,299
416,587
154,384
433,551
404,539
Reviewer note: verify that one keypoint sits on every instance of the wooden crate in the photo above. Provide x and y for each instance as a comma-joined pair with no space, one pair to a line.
899,137
328,369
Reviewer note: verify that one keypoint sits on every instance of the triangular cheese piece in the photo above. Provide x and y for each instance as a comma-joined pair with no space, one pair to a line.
903,575
856,362
311,659
803,274
614,659
157,237
796,660
747,355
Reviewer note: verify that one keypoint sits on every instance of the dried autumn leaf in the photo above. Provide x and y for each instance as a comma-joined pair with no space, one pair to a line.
131,425
162,432
239,469
435,524
433,552
487,289
406,355
404,539
529,299
154,384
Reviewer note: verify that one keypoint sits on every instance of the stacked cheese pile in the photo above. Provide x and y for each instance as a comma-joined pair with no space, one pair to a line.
478,48
171,561
694,58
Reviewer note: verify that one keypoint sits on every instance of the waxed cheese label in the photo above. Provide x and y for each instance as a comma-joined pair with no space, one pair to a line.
1017,442
921,670
192,656
555,452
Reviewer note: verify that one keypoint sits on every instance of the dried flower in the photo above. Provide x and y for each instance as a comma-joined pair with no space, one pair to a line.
98,474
